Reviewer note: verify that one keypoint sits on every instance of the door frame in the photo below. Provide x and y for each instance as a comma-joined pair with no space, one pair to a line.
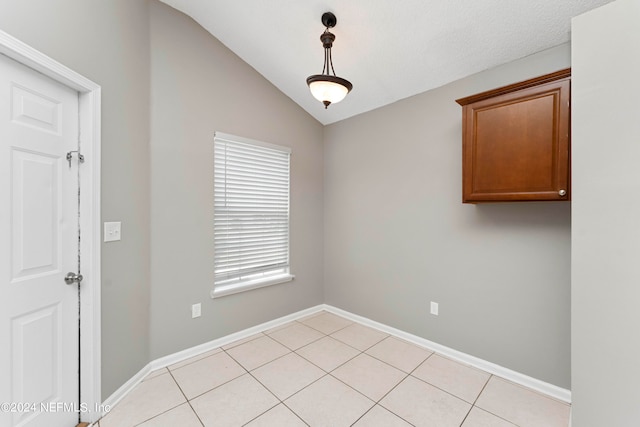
89,125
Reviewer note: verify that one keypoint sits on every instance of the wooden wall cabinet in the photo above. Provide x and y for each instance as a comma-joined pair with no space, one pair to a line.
516,142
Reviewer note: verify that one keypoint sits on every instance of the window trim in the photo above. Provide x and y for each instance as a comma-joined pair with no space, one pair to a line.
286,276
221,291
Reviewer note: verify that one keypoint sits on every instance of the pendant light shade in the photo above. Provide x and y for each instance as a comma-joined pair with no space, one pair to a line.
325,87
328,89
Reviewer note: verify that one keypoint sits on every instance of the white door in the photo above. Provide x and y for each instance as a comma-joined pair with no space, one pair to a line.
39,358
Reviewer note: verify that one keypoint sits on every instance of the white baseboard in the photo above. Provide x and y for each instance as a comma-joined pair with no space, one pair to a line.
570,416
551,390
170,359
508,374
202,348
125,389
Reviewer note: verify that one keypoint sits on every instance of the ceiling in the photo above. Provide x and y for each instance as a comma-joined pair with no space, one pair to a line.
388,49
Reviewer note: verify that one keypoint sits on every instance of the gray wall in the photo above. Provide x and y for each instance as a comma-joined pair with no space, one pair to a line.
108,42
397,235
198,87
606,216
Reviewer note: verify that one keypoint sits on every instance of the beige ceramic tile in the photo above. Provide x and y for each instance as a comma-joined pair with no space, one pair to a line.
287,375
328,353
234,403
460,380
422,404
522,406
146,400
194,359
296,335
398,353
206,374
326,323
242,341
318,313
182,416
155,373
369,376
479,418
359,336
277,328
257,352
330,403
380,417
279,416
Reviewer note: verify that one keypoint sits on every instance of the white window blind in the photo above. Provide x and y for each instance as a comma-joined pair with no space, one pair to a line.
251,213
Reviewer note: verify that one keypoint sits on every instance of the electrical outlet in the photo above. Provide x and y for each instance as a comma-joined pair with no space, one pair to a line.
196,310
112,231
434,308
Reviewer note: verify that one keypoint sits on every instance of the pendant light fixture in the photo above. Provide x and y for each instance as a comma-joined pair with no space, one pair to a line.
325,87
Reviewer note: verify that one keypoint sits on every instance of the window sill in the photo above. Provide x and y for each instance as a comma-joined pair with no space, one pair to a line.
222,291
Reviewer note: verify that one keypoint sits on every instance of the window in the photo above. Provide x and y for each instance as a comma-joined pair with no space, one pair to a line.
251,214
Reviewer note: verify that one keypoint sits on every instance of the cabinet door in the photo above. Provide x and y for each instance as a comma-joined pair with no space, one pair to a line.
516,145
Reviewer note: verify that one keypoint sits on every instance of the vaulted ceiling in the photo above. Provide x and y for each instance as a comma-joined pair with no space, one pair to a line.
388,49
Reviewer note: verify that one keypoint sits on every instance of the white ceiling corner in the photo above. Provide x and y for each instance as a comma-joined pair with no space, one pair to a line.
388,49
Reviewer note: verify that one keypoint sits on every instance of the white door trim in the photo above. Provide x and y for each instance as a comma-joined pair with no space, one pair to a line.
89,123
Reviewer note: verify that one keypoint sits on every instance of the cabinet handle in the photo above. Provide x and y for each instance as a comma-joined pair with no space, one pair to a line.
562,193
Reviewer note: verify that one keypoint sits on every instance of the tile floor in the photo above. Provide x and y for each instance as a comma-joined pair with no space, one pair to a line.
324,370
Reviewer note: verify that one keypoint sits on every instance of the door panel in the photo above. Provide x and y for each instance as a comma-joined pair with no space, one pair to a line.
35,358
34,109
35,217
39,357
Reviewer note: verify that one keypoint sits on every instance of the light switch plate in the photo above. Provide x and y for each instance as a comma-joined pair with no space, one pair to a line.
111,231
